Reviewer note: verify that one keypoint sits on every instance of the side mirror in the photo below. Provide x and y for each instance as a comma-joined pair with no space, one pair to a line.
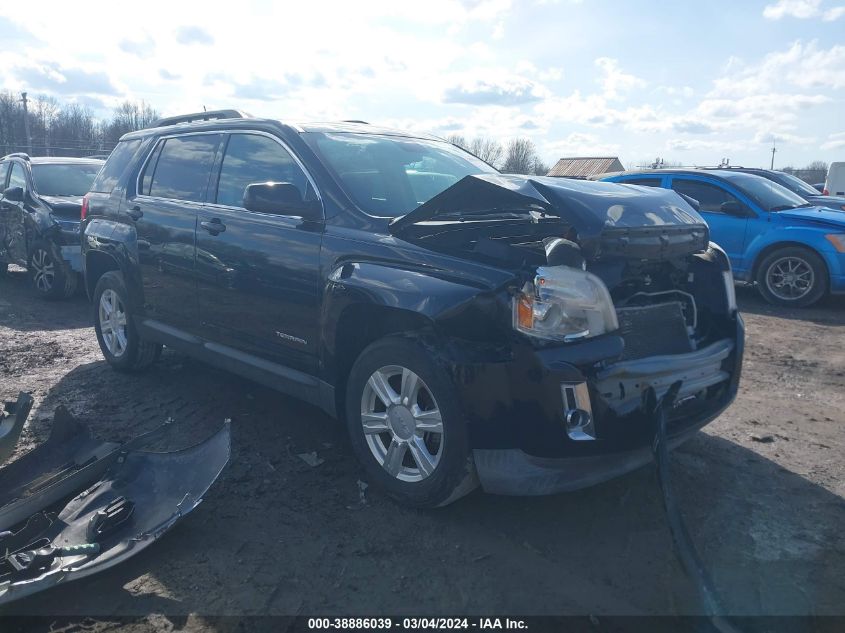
732,207
280,198
13,194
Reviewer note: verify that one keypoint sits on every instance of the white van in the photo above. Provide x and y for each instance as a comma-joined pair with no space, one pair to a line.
835,183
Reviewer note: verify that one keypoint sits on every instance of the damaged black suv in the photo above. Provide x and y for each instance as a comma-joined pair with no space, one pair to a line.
466,325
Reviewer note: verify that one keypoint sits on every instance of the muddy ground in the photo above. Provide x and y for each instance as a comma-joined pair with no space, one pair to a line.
761,488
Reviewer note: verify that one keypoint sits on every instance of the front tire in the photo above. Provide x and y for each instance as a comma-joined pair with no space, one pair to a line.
792,276
406,425
117,335
50,276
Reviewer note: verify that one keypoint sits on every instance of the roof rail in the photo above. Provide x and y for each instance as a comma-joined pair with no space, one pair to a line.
355,121
23,155
200,116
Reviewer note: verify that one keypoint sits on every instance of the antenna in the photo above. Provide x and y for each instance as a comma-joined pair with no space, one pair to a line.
774,149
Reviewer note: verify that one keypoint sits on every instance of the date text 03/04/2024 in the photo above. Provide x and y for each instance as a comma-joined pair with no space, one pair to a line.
482,624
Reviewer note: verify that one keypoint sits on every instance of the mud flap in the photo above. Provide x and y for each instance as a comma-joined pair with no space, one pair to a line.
12,420
69,461
139,499
683,546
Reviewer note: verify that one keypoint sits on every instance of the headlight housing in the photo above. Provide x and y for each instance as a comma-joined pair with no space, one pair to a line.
564,304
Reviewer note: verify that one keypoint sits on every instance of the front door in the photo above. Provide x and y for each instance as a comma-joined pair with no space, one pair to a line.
171,190
13,238
726,229
258,273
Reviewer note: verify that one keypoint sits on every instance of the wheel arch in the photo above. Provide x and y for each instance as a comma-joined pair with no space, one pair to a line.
358,326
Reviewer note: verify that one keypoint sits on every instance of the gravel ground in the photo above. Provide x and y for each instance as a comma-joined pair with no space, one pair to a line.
761,488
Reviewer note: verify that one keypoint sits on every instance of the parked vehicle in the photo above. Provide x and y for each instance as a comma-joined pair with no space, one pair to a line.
466,325
39,218
796,186
834,185
792,250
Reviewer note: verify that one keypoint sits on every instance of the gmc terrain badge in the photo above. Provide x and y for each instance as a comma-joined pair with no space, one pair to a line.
288,337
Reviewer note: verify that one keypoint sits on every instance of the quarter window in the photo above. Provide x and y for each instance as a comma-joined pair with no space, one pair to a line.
710,197
250,159
182,169
4,170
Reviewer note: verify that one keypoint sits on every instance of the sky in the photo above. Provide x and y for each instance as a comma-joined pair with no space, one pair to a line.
690,82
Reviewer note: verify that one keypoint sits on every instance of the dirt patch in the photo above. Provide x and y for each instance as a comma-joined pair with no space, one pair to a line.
278,536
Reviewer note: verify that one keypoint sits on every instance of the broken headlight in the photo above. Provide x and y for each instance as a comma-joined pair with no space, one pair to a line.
564,304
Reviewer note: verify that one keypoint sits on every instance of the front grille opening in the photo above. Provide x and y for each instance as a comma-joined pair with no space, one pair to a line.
654,330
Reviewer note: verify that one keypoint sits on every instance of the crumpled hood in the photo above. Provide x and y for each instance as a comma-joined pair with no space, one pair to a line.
591,207
815,215
65,207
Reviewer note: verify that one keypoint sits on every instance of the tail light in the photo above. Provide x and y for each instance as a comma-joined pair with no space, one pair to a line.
84,211
825,192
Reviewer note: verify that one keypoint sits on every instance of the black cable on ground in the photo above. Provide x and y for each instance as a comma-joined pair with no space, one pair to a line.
683,545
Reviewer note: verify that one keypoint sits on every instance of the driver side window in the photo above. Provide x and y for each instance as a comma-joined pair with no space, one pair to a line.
251,158
17,178
710,197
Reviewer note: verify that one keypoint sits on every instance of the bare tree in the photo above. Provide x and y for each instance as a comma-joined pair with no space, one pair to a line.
487,149
521,157
458,139
540,167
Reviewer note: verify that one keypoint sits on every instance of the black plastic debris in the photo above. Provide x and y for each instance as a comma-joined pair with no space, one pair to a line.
140,497
12,419
69,461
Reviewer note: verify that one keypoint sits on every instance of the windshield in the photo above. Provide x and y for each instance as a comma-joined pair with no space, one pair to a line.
795,184
64,180
769,194
389,176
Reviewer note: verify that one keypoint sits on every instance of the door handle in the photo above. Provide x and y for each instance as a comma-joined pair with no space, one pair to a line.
213,226
135,213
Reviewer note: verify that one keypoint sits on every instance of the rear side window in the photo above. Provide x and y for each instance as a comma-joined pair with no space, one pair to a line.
710,197
183,168
251,159
645,182
117,162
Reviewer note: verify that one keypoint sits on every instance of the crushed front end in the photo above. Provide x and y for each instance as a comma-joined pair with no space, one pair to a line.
619,291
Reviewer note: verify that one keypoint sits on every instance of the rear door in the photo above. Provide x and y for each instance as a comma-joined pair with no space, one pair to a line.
258,273
170,191
727,230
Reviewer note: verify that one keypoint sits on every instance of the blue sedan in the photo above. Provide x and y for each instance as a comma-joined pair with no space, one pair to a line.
792,250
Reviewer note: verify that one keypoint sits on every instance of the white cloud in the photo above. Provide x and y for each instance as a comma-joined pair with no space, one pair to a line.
616,82
493,88
802,9
834,142
579,144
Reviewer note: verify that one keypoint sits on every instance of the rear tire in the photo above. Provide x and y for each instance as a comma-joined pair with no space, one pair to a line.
415,448
50,276
117,335
792,276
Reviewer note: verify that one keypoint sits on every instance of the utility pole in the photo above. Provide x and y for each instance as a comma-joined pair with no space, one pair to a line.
774,149
26,124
